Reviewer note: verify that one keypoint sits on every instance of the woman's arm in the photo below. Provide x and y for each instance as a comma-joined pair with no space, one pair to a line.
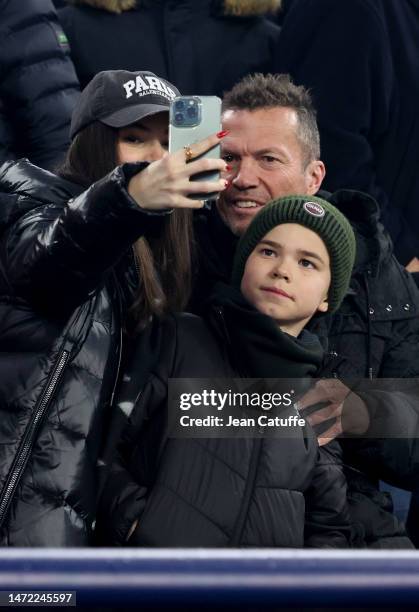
61,252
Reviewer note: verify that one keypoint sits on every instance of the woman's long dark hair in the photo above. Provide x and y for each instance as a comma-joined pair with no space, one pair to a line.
164,265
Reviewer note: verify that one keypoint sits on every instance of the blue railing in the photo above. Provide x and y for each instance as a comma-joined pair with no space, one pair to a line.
188,577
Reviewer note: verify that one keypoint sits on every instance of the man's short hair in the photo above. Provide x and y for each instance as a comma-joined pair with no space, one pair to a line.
258,91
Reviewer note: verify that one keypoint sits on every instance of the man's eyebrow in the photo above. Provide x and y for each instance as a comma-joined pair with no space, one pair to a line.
230,148
232,145
273,149
301,252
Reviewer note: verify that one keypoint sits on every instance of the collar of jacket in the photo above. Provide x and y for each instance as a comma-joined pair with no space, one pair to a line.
257,346
222,8
373,243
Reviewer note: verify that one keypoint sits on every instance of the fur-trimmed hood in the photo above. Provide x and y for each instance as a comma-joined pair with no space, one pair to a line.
237,8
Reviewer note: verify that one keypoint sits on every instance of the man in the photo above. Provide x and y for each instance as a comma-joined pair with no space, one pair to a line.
273,150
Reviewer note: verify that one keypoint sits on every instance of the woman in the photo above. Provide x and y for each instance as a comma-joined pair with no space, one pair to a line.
72,288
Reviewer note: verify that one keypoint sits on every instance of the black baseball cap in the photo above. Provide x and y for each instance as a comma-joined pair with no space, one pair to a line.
119,98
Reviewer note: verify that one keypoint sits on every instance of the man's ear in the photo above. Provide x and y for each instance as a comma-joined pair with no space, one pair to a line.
314,175
323,306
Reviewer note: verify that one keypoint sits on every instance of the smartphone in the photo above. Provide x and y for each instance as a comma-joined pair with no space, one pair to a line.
193,118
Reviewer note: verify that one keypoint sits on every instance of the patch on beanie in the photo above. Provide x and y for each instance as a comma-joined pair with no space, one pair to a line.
314,209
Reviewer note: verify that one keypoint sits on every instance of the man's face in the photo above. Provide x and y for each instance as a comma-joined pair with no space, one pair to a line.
267,161
287,276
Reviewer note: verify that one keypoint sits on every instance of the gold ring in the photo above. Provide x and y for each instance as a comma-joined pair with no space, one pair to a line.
188,154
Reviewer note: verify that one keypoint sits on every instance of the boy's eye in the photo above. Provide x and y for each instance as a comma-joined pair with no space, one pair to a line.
306,263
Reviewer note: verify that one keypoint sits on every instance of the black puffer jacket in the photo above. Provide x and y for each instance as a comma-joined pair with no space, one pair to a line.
201,46
374,334
218,492
60,342
38,83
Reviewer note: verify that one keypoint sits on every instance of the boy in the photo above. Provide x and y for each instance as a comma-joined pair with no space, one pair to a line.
293,262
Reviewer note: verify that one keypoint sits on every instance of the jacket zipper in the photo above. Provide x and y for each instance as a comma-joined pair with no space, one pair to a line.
120,315
118,368
24,450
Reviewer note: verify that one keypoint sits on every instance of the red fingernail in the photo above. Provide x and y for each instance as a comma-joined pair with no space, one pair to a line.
228,168
227,183
222,133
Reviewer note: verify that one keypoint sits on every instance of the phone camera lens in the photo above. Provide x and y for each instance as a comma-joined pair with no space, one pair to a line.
192,112
179,105
179,117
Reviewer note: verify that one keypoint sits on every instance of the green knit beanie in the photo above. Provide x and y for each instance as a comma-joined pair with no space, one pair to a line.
315,214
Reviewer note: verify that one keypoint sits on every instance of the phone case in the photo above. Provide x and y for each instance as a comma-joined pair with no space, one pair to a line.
208,122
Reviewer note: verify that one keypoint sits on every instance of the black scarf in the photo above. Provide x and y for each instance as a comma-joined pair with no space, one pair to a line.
257,346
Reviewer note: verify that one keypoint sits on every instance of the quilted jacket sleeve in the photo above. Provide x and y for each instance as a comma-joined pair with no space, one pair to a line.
39,87
327,516
56,254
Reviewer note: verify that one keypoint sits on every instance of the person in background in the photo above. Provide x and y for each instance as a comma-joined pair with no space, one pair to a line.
38,84
202,46
360,60
85,263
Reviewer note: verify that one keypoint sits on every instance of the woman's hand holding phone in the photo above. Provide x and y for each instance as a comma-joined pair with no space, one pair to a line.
167,183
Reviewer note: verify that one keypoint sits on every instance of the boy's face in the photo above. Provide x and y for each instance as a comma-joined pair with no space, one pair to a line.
287,276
